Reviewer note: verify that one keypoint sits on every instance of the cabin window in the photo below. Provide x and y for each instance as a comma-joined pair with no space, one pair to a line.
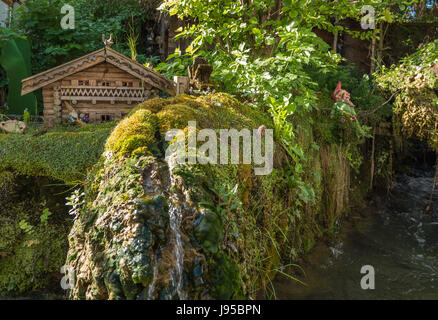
105,117
84,82
104,83
127,84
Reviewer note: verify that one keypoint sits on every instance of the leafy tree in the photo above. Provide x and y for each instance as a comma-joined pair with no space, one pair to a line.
39,21
266,53
262,51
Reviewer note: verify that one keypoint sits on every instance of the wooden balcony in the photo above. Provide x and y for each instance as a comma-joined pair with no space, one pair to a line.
112,94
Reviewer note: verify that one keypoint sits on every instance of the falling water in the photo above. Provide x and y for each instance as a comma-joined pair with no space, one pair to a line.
151,289
176,275
175,217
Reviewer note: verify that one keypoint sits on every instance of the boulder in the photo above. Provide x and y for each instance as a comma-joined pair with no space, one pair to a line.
13,126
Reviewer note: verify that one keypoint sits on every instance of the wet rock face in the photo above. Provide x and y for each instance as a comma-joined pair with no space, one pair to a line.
134,237
125,245
123,227
153,229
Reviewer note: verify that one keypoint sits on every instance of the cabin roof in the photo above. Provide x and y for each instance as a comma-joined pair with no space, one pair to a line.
110,56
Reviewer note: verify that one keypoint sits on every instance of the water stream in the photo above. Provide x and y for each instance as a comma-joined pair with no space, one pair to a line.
394,234
175,217
151,289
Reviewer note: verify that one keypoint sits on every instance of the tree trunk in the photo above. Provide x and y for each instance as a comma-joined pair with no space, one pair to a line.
380,50
373,52
373,148
335,38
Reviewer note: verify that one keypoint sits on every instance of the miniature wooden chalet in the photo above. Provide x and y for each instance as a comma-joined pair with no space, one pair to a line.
101,86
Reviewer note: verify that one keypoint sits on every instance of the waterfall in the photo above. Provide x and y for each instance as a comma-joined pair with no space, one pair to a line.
176,279
175,217
151,289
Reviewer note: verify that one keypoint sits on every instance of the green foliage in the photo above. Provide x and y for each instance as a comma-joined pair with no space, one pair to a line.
45,216
7,34
225,277
132,39
176,64
341,108
252,58
33,240
227,202
31,230
362,88
425,56
414,84
266,53
40,21
214,225
26,227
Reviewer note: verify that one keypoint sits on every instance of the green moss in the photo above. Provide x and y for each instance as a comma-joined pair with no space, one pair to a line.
136,135
7,185
209,231
61,155
132,133
225,278
32,249
175,116
238,242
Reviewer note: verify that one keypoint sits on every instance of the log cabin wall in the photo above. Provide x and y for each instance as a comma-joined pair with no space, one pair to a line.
103,86
48,100
105,93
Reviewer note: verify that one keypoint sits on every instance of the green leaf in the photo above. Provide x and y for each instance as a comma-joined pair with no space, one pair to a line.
15,59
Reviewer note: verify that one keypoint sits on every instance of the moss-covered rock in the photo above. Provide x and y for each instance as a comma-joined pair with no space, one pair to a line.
225,278
151,228
34,219
208,231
